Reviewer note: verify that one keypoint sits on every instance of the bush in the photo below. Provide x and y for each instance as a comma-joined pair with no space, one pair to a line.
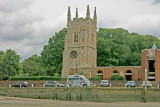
23,78
38,78
51,78
96,78
115,78
4,77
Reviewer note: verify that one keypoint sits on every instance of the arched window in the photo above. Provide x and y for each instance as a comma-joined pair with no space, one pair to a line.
100,74
115,72
128,75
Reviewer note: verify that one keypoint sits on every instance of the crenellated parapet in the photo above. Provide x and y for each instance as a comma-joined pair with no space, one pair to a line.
81,19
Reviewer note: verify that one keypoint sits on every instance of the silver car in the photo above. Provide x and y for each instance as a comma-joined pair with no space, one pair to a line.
104,83
149,84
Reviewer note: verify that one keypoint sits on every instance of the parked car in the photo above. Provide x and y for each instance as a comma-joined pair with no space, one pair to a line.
159,85
130,84
20,84
53,84
104,83
77,80
149,84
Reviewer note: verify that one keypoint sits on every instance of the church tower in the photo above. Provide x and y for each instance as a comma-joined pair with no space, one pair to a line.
80,42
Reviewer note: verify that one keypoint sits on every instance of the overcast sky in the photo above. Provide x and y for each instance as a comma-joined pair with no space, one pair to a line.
27,25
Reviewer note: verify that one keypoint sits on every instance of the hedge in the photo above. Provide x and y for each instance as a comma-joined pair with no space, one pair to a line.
38,78
96,78
4,77
115,78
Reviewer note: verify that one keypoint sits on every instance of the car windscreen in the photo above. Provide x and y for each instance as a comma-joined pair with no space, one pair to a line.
56,82
104,81
130,82
148,82
50,82
85,79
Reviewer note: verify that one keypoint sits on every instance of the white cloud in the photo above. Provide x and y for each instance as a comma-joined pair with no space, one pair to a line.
146,24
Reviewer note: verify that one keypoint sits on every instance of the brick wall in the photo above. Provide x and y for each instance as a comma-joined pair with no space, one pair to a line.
157,63
107,71
144,63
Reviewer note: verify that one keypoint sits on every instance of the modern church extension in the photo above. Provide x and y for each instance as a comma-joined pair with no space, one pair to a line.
80,53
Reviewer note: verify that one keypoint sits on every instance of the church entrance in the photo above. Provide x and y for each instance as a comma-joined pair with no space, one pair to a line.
128,75
100,74
151,70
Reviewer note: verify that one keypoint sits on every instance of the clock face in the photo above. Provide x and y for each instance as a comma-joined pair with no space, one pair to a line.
73,54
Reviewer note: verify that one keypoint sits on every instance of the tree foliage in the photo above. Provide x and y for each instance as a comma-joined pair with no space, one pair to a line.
9,63
52,54
118,47
117,78
33,67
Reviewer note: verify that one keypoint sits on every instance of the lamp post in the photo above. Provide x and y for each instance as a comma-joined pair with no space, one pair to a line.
76,68
158,68
145,80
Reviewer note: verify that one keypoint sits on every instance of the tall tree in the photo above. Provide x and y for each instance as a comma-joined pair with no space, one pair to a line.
52,54
9,64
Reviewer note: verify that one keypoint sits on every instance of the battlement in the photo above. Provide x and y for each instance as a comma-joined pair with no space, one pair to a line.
87,18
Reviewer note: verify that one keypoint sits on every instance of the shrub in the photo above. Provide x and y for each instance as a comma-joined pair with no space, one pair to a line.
4,77
23,78
115,78
96,78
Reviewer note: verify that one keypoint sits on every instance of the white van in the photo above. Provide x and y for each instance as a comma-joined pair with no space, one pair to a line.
78,80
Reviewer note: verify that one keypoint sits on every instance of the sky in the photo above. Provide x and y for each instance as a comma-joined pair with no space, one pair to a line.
27,25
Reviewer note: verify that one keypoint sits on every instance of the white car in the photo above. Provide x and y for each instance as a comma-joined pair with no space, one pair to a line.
104,83
149,84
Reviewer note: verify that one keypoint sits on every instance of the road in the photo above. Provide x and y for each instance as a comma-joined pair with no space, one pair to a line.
27,102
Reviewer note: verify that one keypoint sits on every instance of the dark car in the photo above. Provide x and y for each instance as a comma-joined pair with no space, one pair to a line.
130,84
21,84
53,84
104,83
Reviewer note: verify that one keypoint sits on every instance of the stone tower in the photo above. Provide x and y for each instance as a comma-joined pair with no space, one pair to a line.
80,42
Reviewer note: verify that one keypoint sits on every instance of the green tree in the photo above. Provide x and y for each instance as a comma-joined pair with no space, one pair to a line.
52,54
33,67
118,47
9,63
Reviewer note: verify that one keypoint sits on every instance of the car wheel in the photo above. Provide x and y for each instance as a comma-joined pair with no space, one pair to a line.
46,86
84,85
